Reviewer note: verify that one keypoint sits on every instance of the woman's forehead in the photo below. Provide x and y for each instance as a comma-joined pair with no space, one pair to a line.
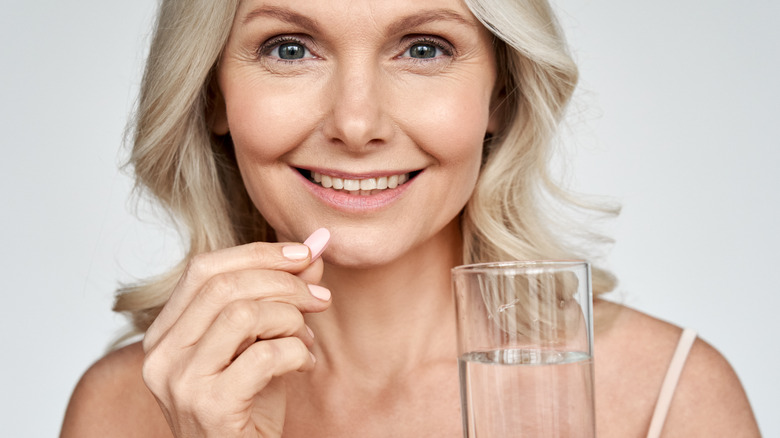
379,13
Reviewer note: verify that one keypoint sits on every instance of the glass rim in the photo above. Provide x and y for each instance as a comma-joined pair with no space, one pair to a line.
520,264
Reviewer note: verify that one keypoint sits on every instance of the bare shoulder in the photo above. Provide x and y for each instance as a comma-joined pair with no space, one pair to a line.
710,400
111,399
636,350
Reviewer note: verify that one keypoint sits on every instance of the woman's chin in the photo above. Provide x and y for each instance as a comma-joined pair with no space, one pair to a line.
363,254
373,248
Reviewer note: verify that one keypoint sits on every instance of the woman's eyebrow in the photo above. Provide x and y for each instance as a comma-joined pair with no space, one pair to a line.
428,16
418,19
282,14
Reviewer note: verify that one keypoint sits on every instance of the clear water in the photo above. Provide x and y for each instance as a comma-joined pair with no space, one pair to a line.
527,393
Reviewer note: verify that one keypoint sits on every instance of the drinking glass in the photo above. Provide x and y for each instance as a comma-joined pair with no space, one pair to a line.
525,347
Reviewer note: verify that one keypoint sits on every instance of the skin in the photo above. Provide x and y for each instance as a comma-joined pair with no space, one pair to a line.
371,110
256,343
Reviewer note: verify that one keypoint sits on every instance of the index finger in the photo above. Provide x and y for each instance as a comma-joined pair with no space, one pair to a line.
289,257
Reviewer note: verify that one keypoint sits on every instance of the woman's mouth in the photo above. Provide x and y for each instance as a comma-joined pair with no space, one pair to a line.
363,186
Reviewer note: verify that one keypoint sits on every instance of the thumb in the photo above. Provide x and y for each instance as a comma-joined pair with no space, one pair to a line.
316,242
313,273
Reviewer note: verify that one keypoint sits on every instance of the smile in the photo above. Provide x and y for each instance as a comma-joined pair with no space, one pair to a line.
363,186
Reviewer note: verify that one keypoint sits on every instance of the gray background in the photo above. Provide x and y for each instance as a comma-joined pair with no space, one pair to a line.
675,119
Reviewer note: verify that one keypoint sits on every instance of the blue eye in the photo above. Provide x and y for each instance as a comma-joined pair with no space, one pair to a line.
291,51
428,49
286,49
423,51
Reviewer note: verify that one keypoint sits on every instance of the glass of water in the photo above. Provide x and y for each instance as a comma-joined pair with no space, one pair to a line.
525,346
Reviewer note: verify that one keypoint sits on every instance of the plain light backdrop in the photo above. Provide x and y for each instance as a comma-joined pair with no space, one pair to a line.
675,119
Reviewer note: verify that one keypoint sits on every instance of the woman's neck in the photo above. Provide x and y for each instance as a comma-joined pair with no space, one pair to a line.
394,317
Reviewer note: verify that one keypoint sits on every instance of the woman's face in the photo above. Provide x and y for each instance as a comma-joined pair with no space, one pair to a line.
363,116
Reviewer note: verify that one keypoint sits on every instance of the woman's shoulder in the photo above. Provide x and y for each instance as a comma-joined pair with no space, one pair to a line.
111,399
638,350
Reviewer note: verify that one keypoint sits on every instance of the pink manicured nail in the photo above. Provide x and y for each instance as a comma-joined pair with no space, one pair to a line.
319,292
295,252
317,242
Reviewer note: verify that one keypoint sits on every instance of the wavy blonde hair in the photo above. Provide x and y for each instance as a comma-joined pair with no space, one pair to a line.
194,176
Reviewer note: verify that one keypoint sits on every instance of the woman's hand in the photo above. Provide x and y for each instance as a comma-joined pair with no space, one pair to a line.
232,326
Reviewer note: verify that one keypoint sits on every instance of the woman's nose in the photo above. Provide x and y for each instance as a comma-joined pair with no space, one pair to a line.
358,117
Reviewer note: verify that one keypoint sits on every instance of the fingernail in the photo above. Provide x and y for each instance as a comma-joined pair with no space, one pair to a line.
317,242
319,292
313,359
295,252
311,333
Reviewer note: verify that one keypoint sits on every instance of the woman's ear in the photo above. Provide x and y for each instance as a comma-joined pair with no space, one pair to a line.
217,110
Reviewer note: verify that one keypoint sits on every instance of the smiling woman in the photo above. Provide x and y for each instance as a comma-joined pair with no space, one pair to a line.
408,138
367,111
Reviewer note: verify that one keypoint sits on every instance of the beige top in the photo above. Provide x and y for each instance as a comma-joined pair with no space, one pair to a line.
670,383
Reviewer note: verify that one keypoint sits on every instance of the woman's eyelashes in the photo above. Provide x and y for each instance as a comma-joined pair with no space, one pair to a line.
291,49
285,49
427,48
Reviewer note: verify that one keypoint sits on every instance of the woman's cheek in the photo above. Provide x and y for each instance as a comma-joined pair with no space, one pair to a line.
265,126
456,126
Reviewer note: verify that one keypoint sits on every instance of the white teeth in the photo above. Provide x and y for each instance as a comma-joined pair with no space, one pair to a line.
351,185
360,186
392,182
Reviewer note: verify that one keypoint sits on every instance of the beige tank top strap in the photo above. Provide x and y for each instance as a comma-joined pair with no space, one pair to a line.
670,383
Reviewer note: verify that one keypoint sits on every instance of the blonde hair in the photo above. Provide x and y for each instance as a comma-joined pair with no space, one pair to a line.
194,176
518,210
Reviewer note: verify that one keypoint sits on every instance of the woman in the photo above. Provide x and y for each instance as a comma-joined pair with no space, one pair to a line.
397,139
